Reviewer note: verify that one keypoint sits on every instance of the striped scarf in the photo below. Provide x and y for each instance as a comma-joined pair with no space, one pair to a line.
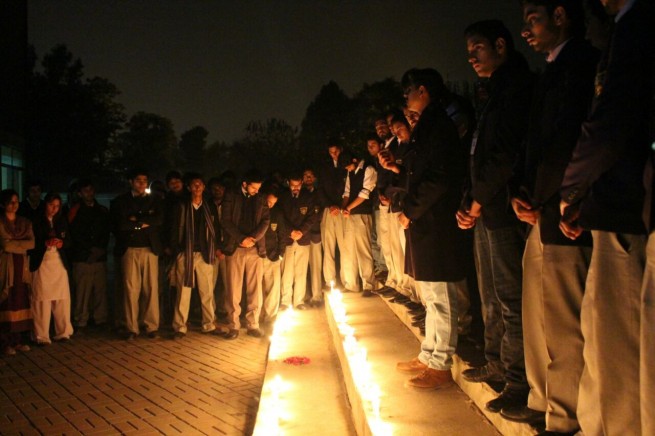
210,234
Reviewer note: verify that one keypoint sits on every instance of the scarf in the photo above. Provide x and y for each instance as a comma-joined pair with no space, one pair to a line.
210,233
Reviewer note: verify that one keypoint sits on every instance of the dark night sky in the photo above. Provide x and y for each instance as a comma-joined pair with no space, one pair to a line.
220,64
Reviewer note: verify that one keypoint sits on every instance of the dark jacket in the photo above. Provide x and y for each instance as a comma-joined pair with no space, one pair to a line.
25,210
299,214
560,104
606,170
315,231
179,225
501,131
89,231
275,235
433,170
231,215
331,183
42,232
129,213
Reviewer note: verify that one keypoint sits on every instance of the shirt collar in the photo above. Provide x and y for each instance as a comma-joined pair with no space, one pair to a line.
552,56
624,10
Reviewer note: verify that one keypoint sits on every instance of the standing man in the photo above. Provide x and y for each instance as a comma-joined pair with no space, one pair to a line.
245,221
275,246
33,206
217,188
433,169
603,191
315,246
554,267
357,211
331,183
139,218
299,216
89,226
498,234
194,243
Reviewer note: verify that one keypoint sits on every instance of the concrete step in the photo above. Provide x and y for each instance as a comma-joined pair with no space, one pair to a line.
397,410
479,393
303,399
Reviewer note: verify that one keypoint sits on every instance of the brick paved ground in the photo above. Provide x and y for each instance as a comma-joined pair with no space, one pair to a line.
96,384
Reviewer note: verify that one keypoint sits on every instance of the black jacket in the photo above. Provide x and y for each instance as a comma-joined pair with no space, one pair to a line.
43,232
275,235
606,171
178,227
433,170
331,183
560,104
231,214
299,214
501,131
146,210
89,231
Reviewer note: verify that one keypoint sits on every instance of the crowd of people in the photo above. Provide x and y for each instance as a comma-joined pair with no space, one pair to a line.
544,192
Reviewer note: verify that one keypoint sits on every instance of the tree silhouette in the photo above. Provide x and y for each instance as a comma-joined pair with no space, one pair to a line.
192,146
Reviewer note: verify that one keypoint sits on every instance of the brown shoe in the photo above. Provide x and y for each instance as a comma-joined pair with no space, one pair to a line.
413,365
431,379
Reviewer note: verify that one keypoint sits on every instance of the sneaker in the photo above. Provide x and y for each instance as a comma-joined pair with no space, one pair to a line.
22,347
508,398
431,379
411,366
481,374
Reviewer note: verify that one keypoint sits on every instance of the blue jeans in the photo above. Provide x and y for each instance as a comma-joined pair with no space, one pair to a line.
438,347
498,258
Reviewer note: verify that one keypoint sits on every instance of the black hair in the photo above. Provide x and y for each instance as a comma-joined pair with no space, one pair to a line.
491,30
83,183
429,78
135,172
295,175
5,197
346,158
372,136
33,182
574,12
333,141
173,175
50,197
253,176
191,176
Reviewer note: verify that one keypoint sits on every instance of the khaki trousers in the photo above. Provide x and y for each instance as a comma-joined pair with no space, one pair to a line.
60,311
608,403
294,274
244,262
271,289
359,254
220,283
332,235
90,292
204,281
384,241
316,270
647,364
140,275
404,283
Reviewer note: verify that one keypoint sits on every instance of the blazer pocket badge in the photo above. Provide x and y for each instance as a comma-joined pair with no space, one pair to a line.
303,210
274,226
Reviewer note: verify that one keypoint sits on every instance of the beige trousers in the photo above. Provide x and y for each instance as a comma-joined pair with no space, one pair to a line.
60,311
140,276
332,235
271,289
294,274
384,241
359,256
608,403
647,364
404,283
90,292
316,270
204,281
244,261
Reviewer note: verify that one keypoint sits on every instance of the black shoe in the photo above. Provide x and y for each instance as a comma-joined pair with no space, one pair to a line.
482,374
302,306
317,303
367,293
419,323
154,334
130,336
255,333
62,339
178,335
422,331
387,290
523,414
400,299
556,433
420,311
508,398
413,305
419,317
232,334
